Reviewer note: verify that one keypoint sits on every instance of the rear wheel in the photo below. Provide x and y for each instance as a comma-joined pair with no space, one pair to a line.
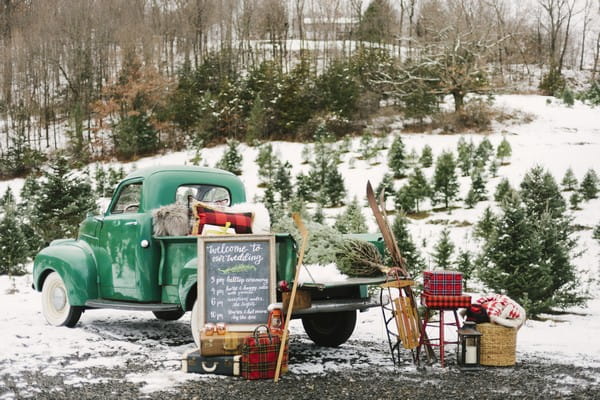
55,304
168,315
329,329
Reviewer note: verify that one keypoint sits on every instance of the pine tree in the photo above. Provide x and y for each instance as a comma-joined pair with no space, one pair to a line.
465,265
569,181
397,158
493,169
596,233
101,179
304,187
574,200
445,181
502,190
504,151
114,177
465,155
61,203
529,256
486,225
8,198
282,183
26,209
471,199
275,212
426,159
418,186
335,188
14,248
412,159
442,251
589,185
478,184
232,159
318,215
386,186
352,219
407,247
483,152
540,193
257,121
305,154
405,200
368,149
267,164
345,145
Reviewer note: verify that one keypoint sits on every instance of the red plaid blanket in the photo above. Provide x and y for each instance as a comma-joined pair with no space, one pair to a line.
442,283
259,355
445,302
207,214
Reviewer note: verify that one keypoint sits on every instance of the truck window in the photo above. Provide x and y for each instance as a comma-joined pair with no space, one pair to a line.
206,193
129,199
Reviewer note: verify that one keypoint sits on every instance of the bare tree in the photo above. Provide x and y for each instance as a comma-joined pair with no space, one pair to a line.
557,25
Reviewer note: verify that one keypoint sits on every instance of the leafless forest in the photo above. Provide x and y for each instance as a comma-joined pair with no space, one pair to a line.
77,66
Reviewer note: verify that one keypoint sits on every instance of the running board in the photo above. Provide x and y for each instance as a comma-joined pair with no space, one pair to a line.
123,305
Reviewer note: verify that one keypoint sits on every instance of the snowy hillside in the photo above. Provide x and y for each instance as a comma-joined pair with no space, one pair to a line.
558,138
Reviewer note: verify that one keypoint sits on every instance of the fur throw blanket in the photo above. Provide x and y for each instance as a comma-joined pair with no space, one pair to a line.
171,220
174,219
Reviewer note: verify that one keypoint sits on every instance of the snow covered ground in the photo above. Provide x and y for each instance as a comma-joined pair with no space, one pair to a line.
558,138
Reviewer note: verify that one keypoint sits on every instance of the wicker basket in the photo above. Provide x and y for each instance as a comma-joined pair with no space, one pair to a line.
498,345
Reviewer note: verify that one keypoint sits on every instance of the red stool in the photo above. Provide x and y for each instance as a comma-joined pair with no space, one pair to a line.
441,304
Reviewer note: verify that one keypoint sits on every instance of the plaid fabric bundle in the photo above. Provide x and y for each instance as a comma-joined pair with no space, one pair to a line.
445,302
442,283
259,355
502,306
207,214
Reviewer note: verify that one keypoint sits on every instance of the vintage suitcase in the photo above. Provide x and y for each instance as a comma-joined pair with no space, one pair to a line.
442,283
259,355
193,361
222,345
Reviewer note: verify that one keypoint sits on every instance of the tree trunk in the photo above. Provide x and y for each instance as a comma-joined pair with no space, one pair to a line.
459,100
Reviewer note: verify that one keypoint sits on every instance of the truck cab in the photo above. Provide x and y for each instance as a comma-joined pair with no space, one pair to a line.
117,263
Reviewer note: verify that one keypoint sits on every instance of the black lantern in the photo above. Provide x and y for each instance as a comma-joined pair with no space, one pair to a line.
468,346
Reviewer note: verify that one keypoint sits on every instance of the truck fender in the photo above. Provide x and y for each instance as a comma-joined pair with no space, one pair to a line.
187,284
75,263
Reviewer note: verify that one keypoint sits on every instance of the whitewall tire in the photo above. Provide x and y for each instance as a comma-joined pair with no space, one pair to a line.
195,324
55,303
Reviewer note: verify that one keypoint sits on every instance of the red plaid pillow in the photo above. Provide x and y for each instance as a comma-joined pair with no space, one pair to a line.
206,214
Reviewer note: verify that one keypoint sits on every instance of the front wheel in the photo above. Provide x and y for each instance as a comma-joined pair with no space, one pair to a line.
329,329
195,324
55,304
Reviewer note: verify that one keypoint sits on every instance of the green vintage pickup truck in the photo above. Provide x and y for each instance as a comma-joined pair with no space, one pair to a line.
117,263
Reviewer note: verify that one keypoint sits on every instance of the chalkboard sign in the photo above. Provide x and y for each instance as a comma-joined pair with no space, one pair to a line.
236,279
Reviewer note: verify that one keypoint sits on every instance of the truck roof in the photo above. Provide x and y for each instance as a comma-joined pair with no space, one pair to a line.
162,181
148,171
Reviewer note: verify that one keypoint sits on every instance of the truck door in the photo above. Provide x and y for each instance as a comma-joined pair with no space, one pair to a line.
124,265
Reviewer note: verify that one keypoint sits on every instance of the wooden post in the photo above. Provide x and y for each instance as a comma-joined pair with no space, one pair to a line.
288,314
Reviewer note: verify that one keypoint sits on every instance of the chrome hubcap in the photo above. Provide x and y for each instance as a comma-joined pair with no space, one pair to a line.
59,298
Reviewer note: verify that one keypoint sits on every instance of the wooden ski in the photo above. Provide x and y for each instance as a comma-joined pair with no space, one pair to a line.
379,213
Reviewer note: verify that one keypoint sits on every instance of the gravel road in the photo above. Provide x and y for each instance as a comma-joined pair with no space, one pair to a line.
529,379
